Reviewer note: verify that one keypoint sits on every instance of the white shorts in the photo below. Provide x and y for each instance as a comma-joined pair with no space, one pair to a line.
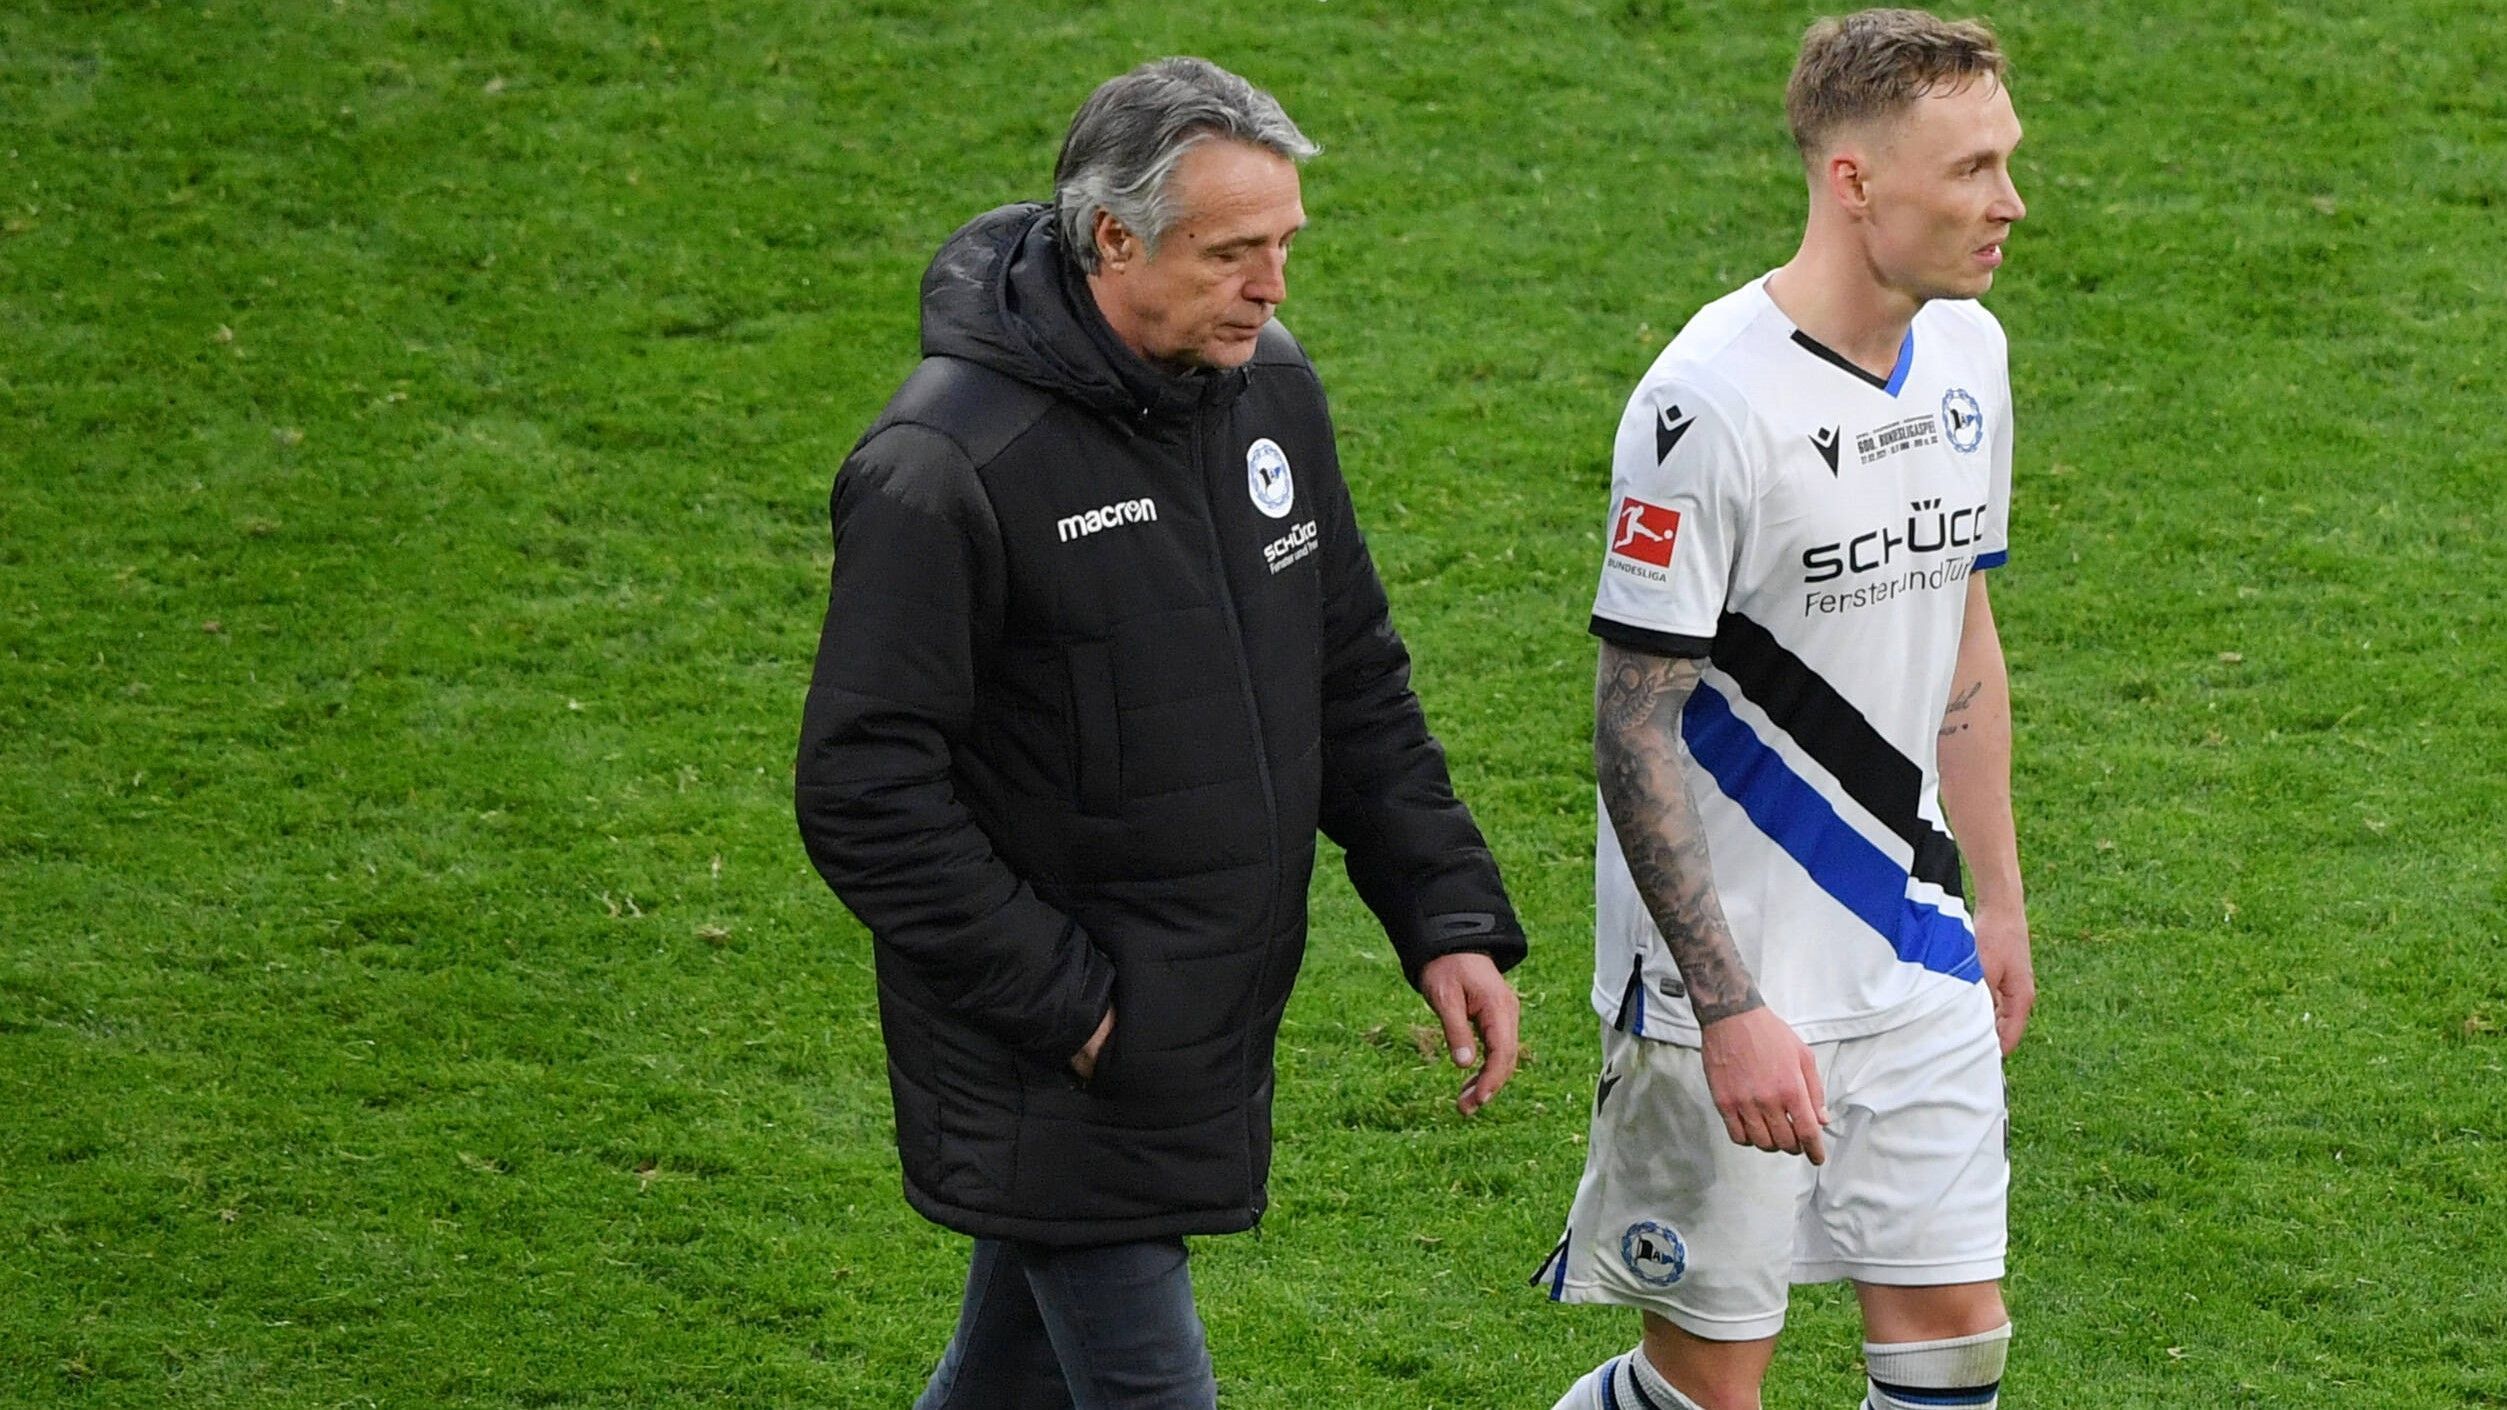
1674,1218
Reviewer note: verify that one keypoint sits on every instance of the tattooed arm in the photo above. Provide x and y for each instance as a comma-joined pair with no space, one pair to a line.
1976,793
1765,1081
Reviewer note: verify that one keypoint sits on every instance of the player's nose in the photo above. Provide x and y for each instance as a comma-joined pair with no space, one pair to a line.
2010,209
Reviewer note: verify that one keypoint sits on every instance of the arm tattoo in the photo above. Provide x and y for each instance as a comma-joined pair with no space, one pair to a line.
1958,706
1645,798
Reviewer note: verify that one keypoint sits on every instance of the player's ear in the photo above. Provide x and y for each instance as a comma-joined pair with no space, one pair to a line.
1845,173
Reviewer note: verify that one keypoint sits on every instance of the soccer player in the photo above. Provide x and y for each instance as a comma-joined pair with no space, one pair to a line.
1801,694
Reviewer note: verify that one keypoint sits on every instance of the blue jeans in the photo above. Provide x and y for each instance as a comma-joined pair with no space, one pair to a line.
1109,1328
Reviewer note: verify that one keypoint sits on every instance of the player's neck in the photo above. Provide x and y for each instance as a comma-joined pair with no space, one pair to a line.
1831,292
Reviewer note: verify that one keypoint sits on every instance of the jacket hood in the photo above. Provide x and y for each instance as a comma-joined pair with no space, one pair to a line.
1000,293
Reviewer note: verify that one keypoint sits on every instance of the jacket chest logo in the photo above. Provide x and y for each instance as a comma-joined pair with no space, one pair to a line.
1267,478
1295,546
1126,511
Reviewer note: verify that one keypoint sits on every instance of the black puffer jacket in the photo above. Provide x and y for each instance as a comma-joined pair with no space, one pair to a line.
1103,649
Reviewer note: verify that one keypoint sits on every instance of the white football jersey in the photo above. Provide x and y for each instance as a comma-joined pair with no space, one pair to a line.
1807,528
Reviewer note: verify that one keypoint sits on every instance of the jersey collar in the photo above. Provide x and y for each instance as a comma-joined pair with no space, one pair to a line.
1891,384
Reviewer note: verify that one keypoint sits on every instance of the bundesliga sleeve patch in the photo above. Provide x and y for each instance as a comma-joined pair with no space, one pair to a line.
1641,536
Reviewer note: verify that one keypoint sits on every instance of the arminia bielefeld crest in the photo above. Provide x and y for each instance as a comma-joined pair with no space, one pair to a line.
1963,420
1266,476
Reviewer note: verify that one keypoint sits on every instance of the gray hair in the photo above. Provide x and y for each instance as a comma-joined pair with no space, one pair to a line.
1126,140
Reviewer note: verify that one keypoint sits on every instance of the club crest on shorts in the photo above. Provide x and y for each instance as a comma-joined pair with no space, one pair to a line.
1963,420
1266,475
1655,1253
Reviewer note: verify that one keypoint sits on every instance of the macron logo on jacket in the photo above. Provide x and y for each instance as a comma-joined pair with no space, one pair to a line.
1129,511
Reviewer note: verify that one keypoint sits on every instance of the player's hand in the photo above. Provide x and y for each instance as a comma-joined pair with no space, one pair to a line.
1468,993
2002,945
1766,1083
1084,1062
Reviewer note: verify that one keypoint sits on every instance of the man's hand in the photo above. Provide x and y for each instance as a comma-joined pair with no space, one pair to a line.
1084,1062
1766,1084
2002,945
1468,993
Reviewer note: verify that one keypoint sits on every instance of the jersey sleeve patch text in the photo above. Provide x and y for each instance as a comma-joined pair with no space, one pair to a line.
1641,539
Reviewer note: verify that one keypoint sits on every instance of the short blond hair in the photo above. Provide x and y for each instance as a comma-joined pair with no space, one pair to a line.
1874,63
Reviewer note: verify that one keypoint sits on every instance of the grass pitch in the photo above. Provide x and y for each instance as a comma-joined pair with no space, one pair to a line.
411,542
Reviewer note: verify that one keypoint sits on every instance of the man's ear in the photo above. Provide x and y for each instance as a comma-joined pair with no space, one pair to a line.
1846,173
1117,246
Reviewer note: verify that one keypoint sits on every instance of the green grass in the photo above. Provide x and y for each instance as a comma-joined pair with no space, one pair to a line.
418,420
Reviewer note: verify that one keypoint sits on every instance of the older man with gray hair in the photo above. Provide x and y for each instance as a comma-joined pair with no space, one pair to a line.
1104,650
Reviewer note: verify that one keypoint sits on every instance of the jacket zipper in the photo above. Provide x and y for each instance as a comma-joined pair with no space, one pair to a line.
1244,683
1262,751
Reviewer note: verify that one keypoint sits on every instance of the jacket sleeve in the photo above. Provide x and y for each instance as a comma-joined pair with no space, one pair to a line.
913,603
1412,850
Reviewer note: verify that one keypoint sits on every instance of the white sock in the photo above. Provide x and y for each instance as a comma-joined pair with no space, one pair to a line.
1627,1382
1647,1388
1955,1373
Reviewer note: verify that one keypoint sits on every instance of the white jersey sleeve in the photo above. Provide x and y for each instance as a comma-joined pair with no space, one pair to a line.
1994,548
1681,496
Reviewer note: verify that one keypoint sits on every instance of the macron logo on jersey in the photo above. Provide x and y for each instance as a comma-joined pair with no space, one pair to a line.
1641,536
1824,440
1668,430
